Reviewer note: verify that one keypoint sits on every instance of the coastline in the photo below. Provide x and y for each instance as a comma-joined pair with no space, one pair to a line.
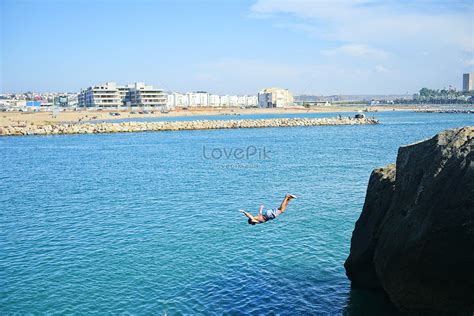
130,127
9,119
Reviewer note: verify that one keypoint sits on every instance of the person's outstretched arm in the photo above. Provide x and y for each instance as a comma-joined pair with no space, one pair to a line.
249,216
261,209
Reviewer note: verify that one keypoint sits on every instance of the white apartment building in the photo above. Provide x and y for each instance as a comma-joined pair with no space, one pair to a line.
225,101
204,99
111,95
140,94
214,100
275,98
233,99
102,95
177,99
198,99
123,92
247,100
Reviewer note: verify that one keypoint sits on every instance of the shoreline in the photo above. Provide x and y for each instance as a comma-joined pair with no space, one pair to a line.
450,111
131,127
8,119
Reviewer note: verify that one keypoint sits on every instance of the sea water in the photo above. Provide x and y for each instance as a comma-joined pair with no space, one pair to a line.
148,222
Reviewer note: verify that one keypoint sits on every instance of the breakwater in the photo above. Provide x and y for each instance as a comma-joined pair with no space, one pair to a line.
130,127
458,111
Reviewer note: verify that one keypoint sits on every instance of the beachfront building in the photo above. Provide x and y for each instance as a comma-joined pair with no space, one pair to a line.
247,100
102,95
193,99
123,92
275,98
177,99
198,99
140,94
110,94
214,100
467,82
229,100
204,99
226,101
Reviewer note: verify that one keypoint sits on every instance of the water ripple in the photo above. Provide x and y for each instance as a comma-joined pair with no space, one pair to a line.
142,223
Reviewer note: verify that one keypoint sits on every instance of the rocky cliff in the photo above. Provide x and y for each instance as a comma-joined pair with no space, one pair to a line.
415,235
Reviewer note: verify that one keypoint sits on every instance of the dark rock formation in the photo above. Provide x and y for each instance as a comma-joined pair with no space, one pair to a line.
359,266
415,236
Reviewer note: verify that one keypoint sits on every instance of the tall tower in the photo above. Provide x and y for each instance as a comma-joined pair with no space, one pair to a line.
467,82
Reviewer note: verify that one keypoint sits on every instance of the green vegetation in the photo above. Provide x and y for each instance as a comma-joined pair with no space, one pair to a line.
444,96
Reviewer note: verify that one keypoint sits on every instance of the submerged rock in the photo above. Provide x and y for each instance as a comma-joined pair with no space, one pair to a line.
415,235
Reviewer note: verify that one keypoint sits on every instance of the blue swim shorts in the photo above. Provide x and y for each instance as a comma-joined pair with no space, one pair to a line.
271,214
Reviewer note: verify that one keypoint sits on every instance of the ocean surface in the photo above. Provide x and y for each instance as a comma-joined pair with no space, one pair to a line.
148,222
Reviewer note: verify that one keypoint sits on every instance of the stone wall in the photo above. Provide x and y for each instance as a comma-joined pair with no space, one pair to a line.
128,127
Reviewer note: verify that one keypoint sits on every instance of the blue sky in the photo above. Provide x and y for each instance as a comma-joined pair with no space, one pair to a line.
237,47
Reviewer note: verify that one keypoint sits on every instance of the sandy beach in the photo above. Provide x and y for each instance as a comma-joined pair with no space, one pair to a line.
44,118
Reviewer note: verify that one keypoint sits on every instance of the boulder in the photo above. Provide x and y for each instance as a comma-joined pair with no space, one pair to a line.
415,235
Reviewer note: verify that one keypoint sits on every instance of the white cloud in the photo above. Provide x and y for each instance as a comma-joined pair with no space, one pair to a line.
468,62
375,23
409,45
356,50
338,9
381,69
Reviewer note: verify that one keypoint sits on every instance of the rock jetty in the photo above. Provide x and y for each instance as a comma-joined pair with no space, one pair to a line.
128,127
415,236
450,111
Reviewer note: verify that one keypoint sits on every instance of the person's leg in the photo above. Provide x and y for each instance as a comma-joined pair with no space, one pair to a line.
284,204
